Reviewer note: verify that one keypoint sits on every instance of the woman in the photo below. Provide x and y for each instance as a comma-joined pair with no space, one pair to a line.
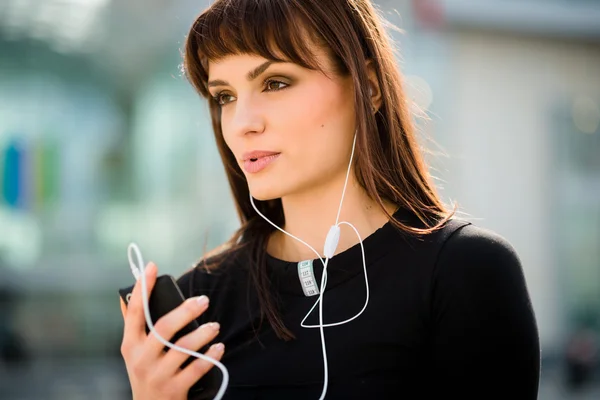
294,87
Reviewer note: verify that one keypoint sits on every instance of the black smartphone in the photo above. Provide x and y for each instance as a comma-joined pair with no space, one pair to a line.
165,297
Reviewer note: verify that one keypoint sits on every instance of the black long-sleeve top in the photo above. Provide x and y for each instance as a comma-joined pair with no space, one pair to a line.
449,315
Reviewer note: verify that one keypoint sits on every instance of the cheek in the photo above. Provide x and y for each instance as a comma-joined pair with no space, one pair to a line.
225,128
228,143
319,117
318,156
314,107
314,131
227,134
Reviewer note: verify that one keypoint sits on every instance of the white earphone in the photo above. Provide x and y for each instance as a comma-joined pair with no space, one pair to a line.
329,248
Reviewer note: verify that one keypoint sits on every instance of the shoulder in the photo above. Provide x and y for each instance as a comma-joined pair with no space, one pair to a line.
478,279
459,249
472,249
478,265
481,310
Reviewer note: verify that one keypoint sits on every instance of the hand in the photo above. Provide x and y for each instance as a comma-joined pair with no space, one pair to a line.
156,374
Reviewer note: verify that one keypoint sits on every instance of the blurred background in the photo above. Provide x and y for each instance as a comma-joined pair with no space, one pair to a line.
102,141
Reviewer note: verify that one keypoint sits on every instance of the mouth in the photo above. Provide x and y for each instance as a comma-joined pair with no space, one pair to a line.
257,154
257,161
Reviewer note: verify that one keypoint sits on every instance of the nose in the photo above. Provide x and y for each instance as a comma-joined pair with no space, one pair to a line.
248,117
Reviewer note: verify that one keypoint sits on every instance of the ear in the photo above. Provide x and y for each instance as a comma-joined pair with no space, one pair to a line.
374,89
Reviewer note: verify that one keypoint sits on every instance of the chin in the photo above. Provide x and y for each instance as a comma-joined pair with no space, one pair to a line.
265,190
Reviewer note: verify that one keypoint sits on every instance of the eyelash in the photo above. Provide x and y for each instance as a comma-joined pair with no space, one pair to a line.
266,83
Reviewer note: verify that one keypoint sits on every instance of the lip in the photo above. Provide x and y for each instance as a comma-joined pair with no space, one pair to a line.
257,154
256,161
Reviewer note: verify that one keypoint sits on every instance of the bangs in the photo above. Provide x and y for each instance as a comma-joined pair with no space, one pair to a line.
273,29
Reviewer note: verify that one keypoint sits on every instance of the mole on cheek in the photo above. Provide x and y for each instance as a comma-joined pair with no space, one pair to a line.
323,126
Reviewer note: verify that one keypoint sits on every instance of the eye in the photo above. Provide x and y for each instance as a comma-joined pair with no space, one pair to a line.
221,98
273,85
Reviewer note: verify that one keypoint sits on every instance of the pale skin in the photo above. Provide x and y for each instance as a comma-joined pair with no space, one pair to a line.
307,117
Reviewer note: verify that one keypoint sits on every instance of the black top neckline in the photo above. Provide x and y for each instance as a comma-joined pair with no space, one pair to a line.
342,266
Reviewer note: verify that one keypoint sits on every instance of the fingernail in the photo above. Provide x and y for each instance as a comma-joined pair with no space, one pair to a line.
203,301
220,347
212,325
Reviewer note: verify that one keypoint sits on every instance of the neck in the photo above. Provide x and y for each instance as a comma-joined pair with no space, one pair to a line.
309,215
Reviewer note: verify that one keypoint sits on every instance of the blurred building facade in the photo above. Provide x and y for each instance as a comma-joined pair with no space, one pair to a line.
519,117
102,142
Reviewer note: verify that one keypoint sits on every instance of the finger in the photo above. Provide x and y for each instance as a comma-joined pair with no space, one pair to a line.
135,321
194,341
123,307
172,322
198,368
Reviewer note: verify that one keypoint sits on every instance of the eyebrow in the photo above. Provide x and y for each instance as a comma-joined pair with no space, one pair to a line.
250,76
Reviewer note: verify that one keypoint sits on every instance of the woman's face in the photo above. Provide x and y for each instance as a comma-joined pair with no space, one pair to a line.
290,128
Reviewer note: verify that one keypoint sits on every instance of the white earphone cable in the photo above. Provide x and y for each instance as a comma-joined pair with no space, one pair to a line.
330,245
138,271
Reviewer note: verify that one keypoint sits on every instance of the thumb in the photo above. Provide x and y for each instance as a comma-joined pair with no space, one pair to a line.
123,307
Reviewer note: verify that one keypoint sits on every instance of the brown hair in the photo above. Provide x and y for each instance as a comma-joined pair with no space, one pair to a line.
388,163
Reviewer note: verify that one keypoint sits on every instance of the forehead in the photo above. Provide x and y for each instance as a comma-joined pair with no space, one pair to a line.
245,62
234,61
